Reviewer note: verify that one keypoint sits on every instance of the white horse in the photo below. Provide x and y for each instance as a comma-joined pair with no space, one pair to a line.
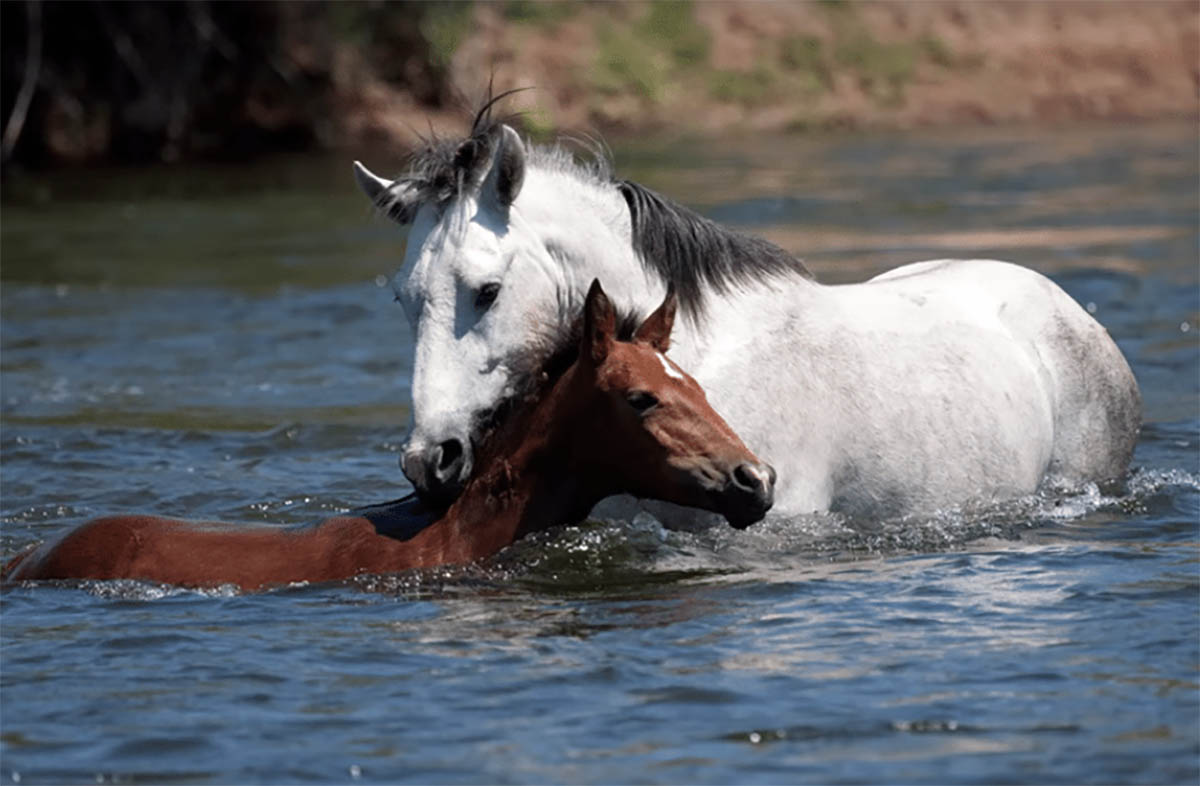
934,384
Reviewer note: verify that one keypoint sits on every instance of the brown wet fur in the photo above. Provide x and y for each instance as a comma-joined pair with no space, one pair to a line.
549,464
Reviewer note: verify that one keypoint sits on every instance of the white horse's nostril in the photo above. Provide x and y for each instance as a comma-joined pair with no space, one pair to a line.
437,471
447,456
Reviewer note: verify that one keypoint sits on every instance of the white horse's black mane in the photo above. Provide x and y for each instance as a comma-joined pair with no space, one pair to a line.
691,252
687,250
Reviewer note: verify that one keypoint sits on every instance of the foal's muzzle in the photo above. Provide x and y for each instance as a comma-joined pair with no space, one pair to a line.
749,494
438,472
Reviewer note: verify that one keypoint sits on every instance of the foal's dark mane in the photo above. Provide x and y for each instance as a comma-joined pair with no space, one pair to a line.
686,250
534,374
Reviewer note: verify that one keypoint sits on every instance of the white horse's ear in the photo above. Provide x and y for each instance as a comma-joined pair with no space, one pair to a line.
656,330
507,174
394,197
371,184
599,324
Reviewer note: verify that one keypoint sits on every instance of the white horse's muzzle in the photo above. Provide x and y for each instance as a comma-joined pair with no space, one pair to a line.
439,470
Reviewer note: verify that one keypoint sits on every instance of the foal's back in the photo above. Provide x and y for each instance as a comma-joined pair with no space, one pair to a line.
203,553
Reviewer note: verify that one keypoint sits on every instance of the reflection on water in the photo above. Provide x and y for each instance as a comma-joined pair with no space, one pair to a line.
216,343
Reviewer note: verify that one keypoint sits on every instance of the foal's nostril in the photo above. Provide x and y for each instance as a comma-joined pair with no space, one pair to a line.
451,451
757,479
746,477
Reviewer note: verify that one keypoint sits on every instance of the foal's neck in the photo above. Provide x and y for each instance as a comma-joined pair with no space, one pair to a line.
526,480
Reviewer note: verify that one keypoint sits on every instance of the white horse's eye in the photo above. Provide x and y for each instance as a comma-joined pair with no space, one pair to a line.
486,296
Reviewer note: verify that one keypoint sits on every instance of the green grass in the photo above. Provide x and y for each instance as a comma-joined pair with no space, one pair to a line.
625,64
666,44
444,26
883,68
538,124
750,88
804,58
672,27
540,13
936,51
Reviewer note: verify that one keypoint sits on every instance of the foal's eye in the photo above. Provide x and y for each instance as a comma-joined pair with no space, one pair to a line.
486,296
641,401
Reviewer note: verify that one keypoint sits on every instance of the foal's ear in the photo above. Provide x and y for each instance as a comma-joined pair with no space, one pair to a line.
599,324
656,330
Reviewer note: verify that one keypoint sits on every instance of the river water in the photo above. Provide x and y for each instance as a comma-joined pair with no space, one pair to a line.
218,342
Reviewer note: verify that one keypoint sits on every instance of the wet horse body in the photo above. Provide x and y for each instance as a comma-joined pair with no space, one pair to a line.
934,384
619,419
247,556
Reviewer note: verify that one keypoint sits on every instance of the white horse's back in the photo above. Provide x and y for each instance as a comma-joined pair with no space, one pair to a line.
933,384
1096,402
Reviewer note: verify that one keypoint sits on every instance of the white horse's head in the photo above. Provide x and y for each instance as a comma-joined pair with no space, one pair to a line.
504,241
495,272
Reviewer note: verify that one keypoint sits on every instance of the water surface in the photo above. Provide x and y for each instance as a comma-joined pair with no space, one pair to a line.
218,342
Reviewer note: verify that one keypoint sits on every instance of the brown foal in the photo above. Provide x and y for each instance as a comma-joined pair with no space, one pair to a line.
621,419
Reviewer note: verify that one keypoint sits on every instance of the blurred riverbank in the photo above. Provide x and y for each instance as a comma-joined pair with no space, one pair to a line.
168,81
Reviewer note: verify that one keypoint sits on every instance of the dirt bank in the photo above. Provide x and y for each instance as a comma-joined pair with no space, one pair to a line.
715,68
172,80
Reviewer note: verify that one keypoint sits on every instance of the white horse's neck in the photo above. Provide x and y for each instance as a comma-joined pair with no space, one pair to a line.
588,225
586,228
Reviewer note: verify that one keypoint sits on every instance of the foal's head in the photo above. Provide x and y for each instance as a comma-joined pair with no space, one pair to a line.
645,427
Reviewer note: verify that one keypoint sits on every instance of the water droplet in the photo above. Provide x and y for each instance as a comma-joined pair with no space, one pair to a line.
355,771
16,777
1091,307
1184,327
755,737
61,290
381,280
